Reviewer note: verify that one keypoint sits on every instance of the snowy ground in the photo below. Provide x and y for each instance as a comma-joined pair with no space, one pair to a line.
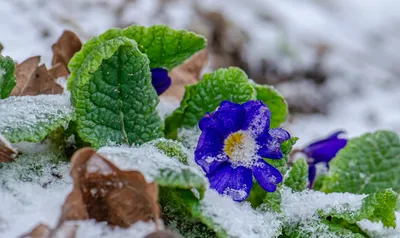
360,96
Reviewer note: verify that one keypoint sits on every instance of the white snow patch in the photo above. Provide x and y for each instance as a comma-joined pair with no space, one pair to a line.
239,219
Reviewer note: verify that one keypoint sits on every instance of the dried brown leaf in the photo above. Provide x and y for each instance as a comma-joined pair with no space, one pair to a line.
40,231
162,234
58,70
43,231
7,152
34,80
106,193
65,47
186,74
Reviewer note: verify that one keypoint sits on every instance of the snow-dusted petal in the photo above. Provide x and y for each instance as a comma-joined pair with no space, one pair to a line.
209,151
228,118
326,149
160,80
231,115
220,178
271,143
240,184
267,175
257,117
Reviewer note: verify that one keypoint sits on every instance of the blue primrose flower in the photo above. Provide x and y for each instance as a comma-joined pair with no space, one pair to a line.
160,80
322,151
234,140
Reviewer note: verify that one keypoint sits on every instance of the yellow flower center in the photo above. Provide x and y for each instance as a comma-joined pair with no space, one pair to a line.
241,148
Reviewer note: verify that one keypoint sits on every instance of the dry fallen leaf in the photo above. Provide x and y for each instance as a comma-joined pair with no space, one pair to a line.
7,152
40,231
187,73
106,193
63,50
162,234
34,80
43,231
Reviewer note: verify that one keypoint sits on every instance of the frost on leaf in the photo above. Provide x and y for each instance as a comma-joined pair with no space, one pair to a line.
33,79
366,165
32,118
297,177
7,78
105,193
187,73
63,50
7,152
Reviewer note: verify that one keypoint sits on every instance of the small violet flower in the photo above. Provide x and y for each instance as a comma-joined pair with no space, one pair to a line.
160,80
322,151
234,140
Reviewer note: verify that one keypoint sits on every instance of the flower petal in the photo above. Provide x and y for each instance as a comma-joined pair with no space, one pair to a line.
312,171
220,178
270,143
240,184
228,118
160,80
257,117
209,152
267,175
326,149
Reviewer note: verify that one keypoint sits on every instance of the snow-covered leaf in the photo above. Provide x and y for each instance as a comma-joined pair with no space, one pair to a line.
156,166
32,118
7,77
172,149
224,84
114,99
366,165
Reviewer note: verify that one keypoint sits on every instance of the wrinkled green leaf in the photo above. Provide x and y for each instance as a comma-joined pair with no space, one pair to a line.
32,118
114,99
7,77
165,47
224,84
172,149
366,165
298,176
275,102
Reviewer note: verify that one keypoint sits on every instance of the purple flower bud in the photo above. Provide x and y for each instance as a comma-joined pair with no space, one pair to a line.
323,151
160,80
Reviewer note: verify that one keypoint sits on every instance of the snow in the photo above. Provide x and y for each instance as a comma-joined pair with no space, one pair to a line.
239,219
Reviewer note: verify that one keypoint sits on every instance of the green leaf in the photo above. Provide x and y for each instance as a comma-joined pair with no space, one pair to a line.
32,118
224,84
7,77
182,212
366,165
165,47
275,102
173,149
114,99
298,176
